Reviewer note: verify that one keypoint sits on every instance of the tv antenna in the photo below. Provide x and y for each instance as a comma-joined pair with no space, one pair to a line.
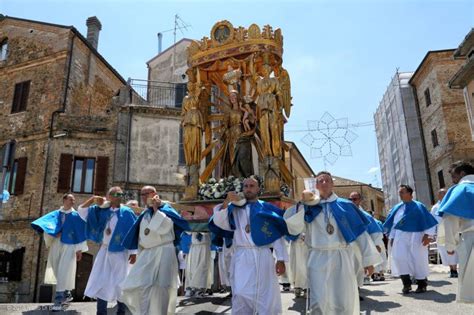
179,24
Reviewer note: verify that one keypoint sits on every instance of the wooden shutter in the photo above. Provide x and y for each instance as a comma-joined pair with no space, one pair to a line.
102,171
24,95
16,264
17,98
20,176
64,176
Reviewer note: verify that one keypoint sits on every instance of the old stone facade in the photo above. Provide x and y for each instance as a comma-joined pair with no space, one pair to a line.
372,197
464,78
445,125
56,102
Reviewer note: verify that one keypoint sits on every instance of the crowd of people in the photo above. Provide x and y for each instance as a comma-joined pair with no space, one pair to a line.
325,247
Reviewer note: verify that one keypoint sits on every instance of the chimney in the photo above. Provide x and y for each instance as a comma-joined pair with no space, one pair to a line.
160,38
93,30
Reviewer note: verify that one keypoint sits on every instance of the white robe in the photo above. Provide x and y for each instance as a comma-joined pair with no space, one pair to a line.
61,265
409,256
151,286
447,260
378,241
332,281
255,288
109,269
199,262
225,257
298,259
464,247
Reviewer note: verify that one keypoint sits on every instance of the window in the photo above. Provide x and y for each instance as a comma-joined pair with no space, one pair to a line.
434,138
427,97
15,177
3,49
83,175
20,97
441,179
181,159
11,265
180,92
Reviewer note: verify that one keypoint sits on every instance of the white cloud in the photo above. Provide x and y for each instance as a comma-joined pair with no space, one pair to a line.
372,170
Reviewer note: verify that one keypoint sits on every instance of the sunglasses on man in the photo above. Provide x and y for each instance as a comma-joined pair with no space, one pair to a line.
117,194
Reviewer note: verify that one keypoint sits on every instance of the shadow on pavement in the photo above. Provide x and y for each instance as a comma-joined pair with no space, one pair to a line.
438,283
299,305
434,296
370,305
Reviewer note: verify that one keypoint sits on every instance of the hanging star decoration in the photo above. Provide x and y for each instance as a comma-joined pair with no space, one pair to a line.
329,138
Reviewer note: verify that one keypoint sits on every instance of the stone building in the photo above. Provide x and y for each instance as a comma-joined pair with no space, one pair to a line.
56,103
445,124
372,197
464,78
400,142
299,168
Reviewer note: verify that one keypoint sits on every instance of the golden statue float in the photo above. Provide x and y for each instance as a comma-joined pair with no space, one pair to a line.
239,97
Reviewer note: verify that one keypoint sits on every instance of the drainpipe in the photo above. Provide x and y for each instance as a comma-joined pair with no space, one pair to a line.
43,190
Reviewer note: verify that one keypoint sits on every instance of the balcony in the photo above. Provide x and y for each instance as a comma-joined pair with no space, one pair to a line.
156,94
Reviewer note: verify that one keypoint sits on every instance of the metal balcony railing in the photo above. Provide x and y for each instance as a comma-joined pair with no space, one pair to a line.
157,94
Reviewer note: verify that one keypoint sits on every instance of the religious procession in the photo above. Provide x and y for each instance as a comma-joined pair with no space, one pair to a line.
245,231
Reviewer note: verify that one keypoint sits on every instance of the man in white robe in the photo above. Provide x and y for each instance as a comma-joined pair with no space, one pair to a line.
199,264
457,210
107,224
151,286
298,259
410,227
253,271
446,260
376,234
332,281
64,250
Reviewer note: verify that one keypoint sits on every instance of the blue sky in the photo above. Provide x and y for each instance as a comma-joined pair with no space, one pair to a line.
340,55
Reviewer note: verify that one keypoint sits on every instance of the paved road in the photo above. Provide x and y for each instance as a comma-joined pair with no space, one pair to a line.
380,297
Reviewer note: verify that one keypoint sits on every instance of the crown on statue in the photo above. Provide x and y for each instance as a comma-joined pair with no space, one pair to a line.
227,41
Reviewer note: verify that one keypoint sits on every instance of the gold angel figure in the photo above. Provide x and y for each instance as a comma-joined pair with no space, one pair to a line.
270,118
285,86
192,125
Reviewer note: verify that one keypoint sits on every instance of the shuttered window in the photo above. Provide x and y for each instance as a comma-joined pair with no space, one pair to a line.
20,97
100,187
17,176
85,175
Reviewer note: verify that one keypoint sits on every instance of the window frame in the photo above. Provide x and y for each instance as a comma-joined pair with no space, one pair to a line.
4,49
427,97
441,181
20,101
434,138
84,159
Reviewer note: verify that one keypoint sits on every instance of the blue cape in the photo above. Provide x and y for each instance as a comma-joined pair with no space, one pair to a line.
349,218
73,231
459,201
179,225
266,223
185,242
97,221
374,226
416,218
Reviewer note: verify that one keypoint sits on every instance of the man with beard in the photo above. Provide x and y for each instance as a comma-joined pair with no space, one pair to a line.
257,226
